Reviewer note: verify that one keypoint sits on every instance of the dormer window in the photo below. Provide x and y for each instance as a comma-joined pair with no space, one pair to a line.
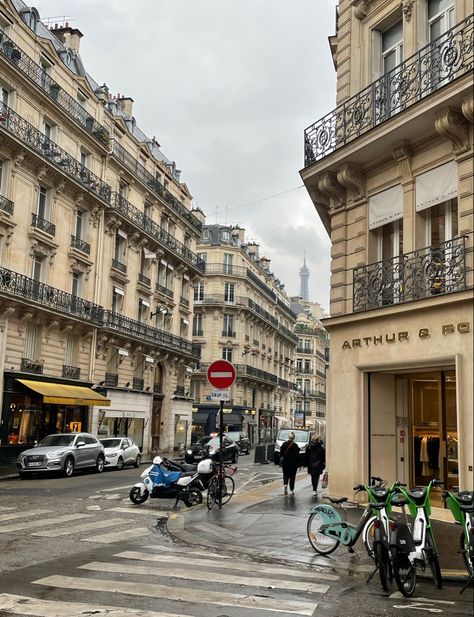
225,236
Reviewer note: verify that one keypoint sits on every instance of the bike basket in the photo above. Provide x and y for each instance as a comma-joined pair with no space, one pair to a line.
231,471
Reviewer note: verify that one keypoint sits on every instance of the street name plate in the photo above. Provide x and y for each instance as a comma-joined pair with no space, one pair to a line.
220,395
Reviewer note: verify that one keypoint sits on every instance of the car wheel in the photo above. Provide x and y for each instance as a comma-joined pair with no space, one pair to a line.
137,461
68,468
100,464
120,464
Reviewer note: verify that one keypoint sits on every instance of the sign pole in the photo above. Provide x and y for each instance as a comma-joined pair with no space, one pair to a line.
221,451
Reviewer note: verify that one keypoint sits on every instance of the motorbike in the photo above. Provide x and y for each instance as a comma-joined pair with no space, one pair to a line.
161,482
205,468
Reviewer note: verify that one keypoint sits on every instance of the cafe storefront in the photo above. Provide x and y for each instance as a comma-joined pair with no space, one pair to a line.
34,407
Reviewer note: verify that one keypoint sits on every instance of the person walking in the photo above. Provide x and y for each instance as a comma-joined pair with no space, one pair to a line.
290,461
315,460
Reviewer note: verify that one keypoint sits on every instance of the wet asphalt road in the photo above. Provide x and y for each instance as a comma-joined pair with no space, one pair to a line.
73,559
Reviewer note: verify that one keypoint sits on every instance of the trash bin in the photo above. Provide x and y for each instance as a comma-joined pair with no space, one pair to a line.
260,454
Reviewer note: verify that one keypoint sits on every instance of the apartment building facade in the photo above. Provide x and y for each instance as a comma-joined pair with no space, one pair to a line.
242,314
97,253
390,173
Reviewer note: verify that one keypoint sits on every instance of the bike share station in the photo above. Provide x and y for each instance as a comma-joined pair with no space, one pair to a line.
221,375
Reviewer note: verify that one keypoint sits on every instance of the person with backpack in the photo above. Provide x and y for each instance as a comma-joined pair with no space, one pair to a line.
290,461
315,460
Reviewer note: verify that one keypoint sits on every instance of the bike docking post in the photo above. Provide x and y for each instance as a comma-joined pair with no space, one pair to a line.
221,451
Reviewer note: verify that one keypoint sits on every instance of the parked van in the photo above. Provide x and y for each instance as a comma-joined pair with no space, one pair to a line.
302,439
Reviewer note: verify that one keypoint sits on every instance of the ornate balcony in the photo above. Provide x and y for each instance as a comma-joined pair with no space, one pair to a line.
138,170
445,59
118,265
28,135
22,287
286,384
43,225
80,245
140,331
17,57
71,372
6,205
144,280
250,371
155,231
164,290
427,272
31,366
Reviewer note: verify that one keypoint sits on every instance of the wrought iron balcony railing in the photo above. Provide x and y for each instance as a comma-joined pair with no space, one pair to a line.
445,59
145,280
228,333
28,135
138,383
118,265
16,56
111,380
6,205
265,288
320,374
308,350
184,301
286,384
43,224
301,370
71,372
155,231
20,286
164,290
228,269
139,330
430,271
251,371
80,245
262,312
138,170
198,333
31,366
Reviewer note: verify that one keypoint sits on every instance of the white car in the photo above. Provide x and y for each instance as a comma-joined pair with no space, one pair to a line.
120,451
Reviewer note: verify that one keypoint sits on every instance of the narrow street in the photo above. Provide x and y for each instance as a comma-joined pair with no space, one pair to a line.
78,546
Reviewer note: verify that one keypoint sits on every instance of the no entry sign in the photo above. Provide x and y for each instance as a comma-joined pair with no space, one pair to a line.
221,374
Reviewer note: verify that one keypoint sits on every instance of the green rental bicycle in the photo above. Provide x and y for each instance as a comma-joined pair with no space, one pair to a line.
461,504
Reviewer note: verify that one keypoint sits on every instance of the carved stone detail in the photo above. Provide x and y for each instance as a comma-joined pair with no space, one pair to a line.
454,126
407,8
403,155
352,177
468,109
330,187
22,320
51,325
112,223
361,8
94,216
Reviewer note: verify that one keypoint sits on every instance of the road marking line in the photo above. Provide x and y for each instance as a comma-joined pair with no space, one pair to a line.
241,566
115,489
175,550
137,510
18,514
67,531
206,576
152,590
117,536
50,521
22,606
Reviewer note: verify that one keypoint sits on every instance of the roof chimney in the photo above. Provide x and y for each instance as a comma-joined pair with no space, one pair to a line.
126,105
70,37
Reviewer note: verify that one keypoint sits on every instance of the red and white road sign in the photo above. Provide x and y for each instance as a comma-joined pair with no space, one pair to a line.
221,374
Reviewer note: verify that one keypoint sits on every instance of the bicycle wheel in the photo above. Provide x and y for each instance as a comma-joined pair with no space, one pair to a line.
382,562
227,488
322,544
368,538
467,551
212,492
404,572
432,558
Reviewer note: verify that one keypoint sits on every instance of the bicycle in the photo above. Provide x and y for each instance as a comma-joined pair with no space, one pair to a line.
326,528
461,504
424,551
221,486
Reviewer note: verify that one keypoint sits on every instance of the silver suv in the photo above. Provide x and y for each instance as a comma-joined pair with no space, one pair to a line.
63,452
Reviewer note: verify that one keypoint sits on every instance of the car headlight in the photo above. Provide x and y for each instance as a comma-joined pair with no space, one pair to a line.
112,454
55,453
189,451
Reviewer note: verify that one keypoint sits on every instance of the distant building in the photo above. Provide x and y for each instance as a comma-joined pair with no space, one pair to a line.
242,314
304,281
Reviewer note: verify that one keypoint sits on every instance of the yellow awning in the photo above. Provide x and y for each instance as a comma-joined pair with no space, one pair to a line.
60,394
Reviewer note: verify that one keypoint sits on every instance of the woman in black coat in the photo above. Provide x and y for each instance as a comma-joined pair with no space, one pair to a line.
315,460
290,461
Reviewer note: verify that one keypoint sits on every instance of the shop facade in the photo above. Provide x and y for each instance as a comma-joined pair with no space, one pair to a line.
205,420
408,396
35,406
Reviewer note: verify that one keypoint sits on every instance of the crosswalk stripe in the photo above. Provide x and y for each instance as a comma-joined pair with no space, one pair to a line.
183,551
152,590
46,521
207,576
22,606
117,536
14,515
234,565
67,531
5,508
134,510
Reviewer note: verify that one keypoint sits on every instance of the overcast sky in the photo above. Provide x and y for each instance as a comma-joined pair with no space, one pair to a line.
227,87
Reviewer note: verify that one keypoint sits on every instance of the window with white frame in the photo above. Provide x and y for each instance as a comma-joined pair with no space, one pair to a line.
37,272
80,224
143,310
120,246
71,350
197,324
199,292
184,326
441,17
43,204
76,284
229,326
228,263
227,354
229,293
32,349
117,299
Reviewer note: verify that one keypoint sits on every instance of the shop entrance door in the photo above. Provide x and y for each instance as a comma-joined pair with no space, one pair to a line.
434,432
